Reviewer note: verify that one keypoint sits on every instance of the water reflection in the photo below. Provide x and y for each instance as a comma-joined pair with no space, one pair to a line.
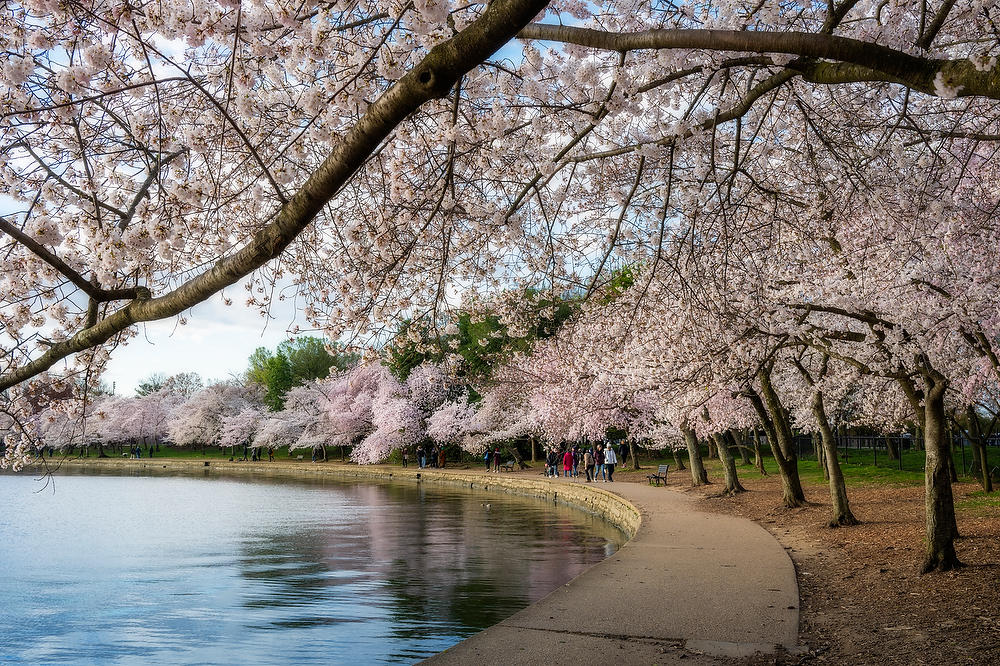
182,570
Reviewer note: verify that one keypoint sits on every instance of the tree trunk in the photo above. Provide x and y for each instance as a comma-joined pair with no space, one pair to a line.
517,456
728,464
980,464
838,489
323,449
891,448
821,457
744,451
678,461
758,458
698,474
632,454
779,434
534,449
938,501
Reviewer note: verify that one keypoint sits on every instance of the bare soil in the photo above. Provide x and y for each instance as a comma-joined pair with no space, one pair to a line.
863,600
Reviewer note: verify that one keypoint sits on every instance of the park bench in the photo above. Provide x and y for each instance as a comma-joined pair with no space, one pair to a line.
661,475
508,466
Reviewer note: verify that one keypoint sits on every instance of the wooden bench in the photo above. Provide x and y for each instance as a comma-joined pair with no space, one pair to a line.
661,475
508,466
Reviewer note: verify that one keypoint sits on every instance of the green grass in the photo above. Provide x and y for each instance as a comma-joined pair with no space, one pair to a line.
979,502
859,468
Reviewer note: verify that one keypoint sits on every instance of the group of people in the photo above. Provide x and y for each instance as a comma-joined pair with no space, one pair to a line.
598,462
492,458
425,458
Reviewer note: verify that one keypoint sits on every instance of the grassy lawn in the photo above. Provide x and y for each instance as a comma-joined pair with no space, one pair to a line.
979,503
859,468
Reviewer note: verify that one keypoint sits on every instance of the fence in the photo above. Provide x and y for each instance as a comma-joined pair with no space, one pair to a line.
907,450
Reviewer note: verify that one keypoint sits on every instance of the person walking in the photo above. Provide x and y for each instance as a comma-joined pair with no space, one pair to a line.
496,459
610,460
577,458
488,458
420,456
552,463
568,463
588,464
406,456
599,460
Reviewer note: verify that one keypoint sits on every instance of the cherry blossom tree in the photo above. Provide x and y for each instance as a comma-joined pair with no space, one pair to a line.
782,178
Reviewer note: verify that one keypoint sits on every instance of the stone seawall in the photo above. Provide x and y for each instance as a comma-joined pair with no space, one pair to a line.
591,499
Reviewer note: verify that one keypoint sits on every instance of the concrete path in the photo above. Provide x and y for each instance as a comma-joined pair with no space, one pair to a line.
690,587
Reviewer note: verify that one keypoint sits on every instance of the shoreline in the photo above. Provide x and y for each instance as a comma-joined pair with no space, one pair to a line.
687,586
607,505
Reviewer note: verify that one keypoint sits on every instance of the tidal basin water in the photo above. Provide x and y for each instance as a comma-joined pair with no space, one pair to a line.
187,570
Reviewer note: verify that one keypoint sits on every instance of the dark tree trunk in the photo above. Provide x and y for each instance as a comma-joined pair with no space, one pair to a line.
980,463
891,448
517,456
678,461
322,448
821,457
722,443
634,457
741,442
758,457
838,489
698,474
534,449
951,462
779,434
938,501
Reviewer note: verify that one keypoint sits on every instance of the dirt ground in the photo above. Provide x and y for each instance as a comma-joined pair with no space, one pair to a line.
862,598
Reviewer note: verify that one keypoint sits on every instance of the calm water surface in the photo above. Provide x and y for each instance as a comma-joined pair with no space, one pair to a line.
154,569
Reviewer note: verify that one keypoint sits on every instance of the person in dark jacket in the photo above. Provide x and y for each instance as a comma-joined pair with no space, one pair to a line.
552,463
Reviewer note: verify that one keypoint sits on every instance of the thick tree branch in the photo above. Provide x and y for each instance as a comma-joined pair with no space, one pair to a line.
871,62
432,78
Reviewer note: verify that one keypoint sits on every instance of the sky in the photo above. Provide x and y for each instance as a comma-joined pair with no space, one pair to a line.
216,342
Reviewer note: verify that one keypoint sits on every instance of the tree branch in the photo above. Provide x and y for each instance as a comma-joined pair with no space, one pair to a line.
871,62
94,291
432,78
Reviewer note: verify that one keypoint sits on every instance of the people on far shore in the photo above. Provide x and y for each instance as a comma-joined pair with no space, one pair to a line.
568,463
599,463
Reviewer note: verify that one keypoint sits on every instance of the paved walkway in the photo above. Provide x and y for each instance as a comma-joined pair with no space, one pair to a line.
688,588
